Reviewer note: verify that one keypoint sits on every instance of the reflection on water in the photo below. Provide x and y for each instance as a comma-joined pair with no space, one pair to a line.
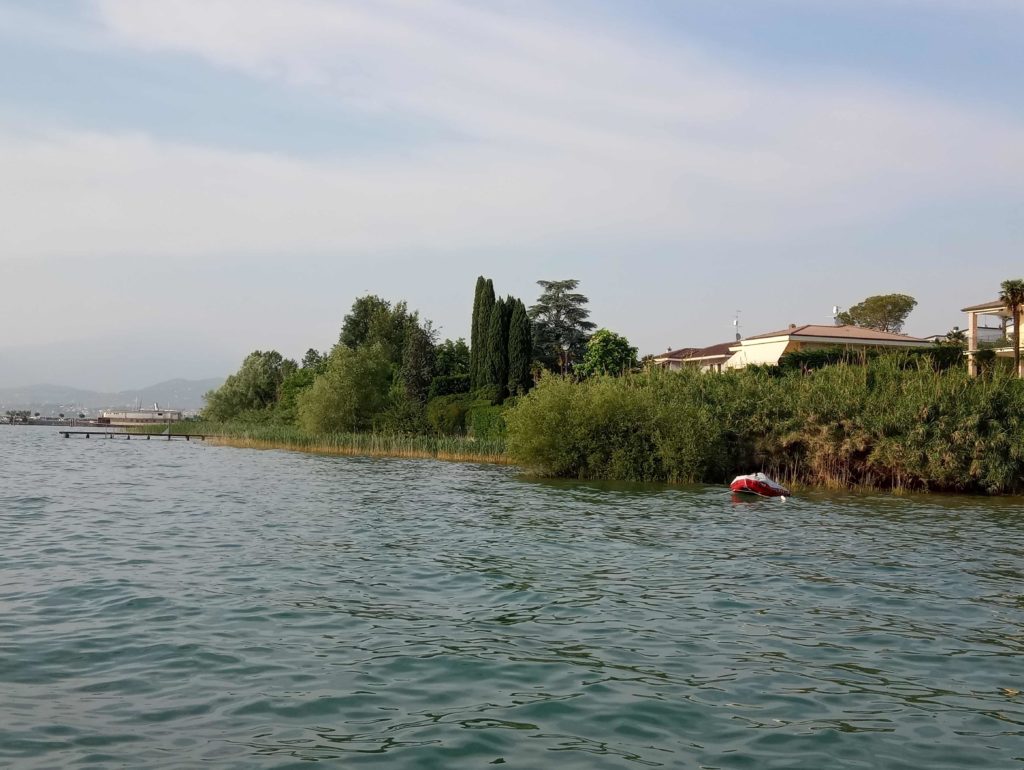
170,605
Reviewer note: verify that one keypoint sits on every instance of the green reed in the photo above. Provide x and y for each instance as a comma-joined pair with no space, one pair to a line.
894,424
458,448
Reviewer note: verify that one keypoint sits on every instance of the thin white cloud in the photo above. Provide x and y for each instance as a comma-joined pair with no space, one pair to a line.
566,130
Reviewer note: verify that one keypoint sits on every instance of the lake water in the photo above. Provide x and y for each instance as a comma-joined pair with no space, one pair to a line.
166,604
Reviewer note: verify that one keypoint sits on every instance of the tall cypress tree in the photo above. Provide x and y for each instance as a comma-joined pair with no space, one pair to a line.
480,374
497,346
474,335
520,350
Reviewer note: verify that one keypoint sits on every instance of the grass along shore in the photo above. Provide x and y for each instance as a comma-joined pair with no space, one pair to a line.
249,436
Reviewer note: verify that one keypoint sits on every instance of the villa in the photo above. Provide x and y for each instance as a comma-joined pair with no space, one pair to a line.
989,325
769,348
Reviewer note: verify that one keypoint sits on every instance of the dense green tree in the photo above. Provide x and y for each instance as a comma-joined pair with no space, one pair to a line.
520,350
561,328
883,312
607,353
376,321
452,359
314,360
418,360
497,346
252,388
356,325
1012,293
478,375
286,410
351,393
474,334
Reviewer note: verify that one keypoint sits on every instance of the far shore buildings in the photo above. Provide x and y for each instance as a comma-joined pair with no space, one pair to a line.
989,326
154,416
769,348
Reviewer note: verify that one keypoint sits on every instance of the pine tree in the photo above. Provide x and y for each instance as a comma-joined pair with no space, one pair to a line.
497,346
483,318
561,328
474,335
520,350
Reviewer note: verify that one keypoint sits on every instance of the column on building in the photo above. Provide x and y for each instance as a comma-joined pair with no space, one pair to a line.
972,343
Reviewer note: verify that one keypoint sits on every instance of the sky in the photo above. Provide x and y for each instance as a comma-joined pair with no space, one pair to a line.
184,181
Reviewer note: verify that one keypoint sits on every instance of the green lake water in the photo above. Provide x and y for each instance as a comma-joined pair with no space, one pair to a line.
173,605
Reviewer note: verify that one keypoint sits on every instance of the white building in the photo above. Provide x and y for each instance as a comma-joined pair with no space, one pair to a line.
769,348
154,416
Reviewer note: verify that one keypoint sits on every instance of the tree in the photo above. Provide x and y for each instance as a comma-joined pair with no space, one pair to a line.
482,318
474,333
356,325
520,350
452,359
497,345
560,322
607,353
314,360
883,312
418,362
350,394
253,387
375,321
1012,294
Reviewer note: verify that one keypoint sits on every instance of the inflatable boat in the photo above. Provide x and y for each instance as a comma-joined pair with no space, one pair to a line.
758,484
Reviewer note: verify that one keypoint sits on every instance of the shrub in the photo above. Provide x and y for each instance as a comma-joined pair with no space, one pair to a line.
896,422
448,385
447,414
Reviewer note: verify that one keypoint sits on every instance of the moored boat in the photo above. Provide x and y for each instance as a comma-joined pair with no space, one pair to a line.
758,484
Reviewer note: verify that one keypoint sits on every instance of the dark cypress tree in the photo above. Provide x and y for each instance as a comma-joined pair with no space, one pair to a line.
474,335
520,350
480,374
497,346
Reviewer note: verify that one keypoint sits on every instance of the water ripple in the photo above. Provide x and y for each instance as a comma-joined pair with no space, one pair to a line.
169,605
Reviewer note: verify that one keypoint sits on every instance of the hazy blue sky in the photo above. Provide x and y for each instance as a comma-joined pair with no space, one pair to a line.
183,181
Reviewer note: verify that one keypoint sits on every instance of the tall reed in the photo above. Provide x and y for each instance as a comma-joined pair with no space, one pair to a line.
256,436
895,423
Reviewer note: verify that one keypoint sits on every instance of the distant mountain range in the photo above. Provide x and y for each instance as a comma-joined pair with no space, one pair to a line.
173,394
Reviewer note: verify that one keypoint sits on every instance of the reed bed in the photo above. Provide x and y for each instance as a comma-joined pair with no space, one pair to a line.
254,436
893,424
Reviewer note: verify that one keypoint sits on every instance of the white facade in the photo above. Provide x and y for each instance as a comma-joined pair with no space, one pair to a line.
141,417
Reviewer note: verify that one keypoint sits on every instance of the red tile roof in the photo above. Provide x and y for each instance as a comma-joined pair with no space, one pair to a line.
692,354
675,355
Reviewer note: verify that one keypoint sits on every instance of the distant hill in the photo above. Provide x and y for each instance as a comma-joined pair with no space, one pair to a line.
172,394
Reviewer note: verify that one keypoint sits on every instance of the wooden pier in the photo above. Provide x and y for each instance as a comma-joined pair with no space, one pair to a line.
128,434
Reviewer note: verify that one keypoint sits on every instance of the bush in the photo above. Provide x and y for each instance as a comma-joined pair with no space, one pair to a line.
896,422
447,414
448,385
485,421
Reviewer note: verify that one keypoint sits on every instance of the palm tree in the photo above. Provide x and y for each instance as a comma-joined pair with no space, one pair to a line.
1013,295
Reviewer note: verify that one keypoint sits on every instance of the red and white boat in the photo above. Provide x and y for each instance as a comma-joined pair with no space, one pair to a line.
758,484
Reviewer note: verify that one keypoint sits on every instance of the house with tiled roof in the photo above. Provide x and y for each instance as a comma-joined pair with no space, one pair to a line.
709,359
769,348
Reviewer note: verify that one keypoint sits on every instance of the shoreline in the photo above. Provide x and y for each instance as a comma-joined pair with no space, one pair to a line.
329,449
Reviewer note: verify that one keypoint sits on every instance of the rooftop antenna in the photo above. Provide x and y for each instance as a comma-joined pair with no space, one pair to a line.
835,314
736,326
